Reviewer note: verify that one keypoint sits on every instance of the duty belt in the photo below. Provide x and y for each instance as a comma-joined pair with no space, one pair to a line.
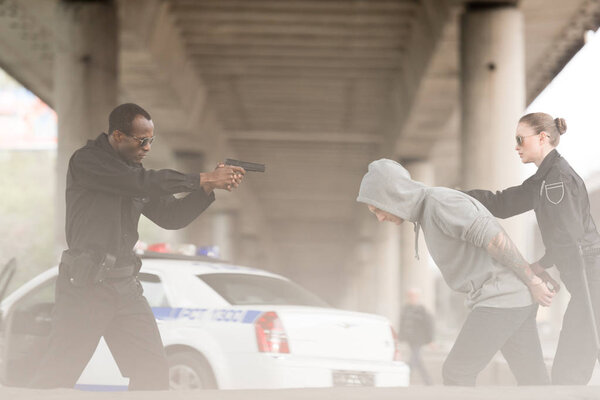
590,251
83,268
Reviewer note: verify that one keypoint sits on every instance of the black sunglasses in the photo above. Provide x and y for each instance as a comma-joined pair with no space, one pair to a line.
142,141
520,139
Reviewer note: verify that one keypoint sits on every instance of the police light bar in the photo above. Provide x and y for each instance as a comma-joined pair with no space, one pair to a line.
185,249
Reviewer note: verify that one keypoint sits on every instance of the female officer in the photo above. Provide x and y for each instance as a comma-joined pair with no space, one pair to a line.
561,204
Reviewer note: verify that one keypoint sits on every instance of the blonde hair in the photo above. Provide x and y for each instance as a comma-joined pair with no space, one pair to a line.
542,122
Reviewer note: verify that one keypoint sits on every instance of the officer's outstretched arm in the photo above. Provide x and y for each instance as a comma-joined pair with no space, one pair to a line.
505,203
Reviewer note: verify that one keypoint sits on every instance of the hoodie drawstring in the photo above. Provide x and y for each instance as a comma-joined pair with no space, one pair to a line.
417,229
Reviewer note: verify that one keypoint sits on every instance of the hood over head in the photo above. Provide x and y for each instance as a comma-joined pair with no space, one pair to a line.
387,185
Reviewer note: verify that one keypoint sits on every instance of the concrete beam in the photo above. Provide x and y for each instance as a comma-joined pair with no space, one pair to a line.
296,42
313,137
206,14
243,64
320,31
215,71
563,46
432,17
303,6
27,45
298,52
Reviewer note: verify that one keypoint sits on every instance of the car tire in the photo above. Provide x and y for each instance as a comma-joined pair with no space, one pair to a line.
188,371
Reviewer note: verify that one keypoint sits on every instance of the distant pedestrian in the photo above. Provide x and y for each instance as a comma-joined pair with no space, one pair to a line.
416,329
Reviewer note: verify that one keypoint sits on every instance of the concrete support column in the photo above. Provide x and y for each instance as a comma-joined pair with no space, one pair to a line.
493,95
249,252
359,288
386,272
419,274
373,282
362,269
85,81
223,233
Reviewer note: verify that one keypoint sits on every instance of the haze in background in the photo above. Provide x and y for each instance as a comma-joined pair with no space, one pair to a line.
575,96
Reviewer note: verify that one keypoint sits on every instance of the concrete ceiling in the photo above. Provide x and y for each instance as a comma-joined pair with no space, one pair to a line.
297,66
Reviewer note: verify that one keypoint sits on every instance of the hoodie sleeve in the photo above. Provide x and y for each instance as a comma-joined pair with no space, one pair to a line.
459,217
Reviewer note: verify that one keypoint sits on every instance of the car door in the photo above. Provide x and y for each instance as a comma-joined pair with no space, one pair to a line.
6,275
25,333
154,290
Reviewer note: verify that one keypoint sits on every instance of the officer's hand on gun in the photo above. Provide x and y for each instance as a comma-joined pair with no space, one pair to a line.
228,175
224,177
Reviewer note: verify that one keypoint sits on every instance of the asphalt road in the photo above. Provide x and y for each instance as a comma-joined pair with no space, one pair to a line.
416,392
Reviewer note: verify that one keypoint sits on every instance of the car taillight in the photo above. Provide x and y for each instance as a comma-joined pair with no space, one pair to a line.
270,334
159,248
396,345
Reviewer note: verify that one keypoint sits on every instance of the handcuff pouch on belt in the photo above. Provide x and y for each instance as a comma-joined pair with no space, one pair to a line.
84,268
589,251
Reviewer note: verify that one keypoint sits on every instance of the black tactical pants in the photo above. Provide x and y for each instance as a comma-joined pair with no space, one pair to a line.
116,310
576,353
487,330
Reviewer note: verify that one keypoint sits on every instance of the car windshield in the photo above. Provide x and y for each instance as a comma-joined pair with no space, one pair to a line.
246,289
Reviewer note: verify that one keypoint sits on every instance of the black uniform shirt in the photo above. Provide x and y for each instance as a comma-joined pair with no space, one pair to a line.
106,195
562,208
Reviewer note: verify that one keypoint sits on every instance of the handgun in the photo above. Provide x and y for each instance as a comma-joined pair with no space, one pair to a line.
248,166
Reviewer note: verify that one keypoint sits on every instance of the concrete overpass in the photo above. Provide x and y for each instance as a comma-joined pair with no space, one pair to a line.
313,88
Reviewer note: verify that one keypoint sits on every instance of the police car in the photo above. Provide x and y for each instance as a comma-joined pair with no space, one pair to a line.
223,326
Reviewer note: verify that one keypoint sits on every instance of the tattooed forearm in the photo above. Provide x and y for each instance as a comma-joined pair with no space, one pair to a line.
503,250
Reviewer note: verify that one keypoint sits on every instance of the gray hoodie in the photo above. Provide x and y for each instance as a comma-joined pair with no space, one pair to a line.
457,229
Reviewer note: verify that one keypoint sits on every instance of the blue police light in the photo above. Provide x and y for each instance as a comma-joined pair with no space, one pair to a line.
210,251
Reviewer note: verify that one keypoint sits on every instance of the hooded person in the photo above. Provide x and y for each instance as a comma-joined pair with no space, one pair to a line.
476,257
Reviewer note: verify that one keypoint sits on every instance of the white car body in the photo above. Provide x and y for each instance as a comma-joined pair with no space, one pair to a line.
327,346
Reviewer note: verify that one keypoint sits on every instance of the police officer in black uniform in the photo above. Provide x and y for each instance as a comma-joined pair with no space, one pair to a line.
561,204
97,293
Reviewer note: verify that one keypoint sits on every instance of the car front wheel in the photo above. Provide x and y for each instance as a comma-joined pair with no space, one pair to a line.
189,371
